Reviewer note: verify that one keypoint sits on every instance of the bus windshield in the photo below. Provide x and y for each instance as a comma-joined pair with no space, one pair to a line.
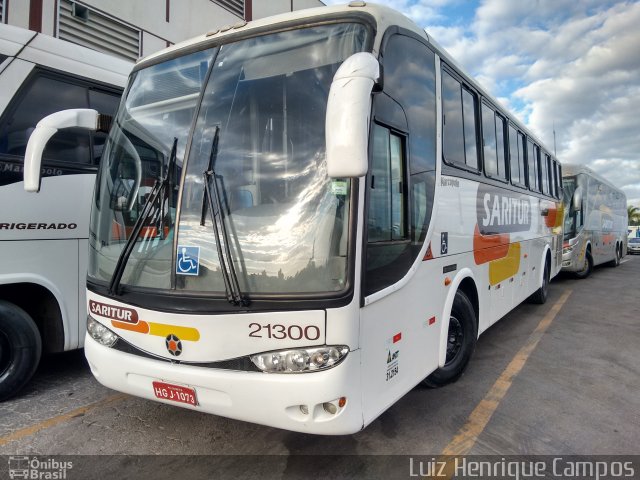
247,122
571,216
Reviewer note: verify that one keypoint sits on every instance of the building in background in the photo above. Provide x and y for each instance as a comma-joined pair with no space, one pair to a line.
133,29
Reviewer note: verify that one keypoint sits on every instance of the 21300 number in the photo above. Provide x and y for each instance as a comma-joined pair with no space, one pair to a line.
282,332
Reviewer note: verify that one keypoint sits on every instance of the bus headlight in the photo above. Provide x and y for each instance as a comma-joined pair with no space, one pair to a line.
567,249
100,333
300,360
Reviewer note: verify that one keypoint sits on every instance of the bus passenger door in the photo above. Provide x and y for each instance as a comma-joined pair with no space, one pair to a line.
394,336
399,335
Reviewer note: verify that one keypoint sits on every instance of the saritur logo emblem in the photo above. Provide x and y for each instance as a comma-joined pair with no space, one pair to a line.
174,345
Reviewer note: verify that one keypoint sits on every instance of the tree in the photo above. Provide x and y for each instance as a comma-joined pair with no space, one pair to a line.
634,215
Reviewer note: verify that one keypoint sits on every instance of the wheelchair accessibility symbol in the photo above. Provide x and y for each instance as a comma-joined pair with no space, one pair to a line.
188,260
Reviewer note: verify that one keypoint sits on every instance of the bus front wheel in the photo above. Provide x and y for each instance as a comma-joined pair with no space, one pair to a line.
461,341
587,267
20,349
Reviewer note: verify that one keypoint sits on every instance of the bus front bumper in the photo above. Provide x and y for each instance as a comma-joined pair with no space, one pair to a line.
573,260
289,401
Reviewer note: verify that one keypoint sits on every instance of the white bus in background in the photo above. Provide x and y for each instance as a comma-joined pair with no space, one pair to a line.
595,222
43,238
294,236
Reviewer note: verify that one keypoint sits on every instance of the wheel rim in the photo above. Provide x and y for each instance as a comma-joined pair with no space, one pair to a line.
5,353
585,266
455,336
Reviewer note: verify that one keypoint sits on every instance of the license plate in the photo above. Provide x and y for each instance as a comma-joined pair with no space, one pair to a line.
175,393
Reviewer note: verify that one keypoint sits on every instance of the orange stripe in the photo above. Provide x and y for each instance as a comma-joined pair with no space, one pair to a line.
140,327
489,247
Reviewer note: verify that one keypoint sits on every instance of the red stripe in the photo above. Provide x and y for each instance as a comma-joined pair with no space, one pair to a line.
432,320
397,337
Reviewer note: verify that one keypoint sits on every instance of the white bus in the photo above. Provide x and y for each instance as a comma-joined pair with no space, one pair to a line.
595,222
298,220
43,238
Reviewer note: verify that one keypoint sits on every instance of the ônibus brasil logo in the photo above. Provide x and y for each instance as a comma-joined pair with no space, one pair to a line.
38,468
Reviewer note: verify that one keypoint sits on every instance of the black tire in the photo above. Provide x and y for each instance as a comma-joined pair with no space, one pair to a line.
461,342
616,261
20,349
540,296
588,266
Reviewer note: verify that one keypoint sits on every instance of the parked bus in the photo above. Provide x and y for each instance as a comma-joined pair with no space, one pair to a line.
298,220
43,238
595,222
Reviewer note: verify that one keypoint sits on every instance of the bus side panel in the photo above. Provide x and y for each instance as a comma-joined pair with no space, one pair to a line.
52,264
400,337
57,212
39,234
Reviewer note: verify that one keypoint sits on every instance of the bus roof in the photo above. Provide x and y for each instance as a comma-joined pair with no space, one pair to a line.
381,16
61,55
573,169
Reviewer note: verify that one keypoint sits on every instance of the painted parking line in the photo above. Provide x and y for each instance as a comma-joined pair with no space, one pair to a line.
51,422
479,418
467,436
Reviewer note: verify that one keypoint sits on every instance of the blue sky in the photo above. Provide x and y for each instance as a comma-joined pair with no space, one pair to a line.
574,64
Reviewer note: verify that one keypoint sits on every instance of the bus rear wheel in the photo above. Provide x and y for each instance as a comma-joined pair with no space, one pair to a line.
540,296
20,349
461,342
616,260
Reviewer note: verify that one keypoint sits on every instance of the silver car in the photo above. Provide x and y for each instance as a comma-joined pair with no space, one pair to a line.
633,245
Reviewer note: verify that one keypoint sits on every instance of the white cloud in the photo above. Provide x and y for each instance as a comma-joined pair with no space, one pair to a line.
572,64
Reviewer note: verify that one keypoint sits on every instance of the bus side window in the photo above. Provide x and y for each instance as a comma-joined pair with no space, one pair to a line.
45,93
552,177
387,207
532,161
403,163
489,141
493,140
544,172
517,168
459,121
106,103
387,232
501,146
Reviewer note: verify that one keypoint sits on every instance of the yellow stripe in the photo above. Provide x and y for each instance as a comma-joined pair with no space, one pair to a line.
52,422
467,436
183,333
479,418
507,267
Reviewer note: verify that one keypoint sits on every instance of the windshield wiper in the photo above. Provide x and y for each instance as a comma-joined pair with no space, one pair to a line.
211,201
159,187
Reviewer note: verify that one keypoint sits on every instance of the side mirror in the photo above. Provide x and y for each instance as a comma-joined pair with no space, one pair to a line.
348,112
47,128
577,199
